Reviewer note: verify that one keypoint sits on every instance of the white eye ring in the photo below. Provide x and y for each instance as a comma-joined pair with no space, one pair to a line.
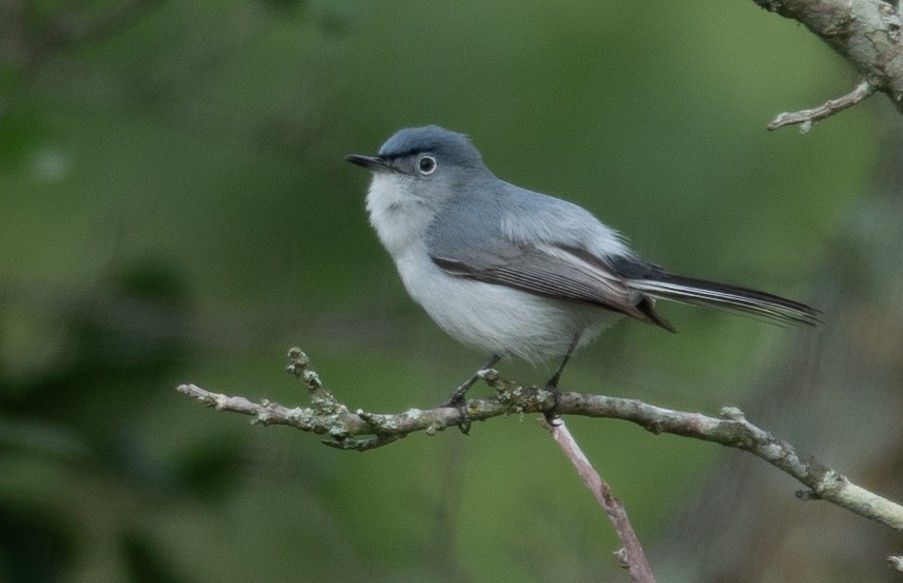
427,165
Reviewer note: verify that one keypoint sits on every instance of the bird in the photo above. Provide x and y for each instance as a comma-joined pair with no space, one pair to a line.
518,273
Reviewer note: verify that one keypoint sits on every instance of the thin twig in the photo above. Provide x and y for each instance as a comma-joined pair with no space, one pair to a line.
806,117
631,555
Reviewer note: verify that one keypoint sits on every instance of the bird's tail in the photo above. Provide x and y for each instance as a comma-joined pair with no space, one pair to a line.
678,288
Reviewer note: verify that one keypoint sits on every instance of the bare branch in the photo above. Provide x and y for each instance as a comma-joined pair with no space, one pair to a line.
807,117
363,431
864,32
631,556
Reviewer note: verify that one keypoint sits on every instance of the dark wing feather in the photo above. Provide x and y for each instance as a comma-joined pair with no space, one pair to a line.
549,271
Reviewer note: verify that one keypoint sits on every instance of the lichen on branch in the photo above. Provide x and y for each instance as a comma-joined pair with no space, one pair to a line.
359,430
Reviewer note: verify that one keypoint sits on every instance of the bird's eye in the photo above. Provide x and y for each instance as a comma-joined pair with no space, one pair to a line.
427,165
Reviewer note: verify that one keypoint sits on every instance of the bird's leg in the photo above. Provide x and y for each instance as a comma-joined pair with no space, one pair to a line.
552,384
457,399
458,396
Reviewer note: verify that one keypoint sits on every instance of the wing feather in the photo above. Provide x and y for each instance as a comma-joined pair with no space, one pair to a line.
549,271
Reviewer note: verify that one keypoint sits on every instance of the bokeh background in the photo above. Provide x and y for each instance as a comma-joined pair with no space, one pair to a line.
174,207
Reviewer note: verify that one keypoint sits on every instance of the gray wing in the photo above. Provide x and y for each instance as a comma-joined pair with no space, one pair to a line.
471,243
549,272
538,244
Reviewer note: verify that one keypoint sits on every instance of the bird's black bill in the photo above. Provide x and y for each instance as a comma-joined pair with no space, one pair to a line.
374,163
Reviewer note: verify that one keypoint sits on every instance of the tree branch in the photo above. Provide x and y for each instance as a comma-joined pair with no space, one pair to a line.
864,32
631,555
362,431
807,117
329,416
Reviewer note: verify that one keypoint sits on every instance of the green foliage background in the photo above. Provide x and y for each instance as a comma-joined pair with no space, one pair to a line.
175,208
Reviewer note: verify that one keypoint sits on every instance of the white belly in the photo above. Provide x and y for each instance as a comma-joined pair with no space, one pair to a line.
495,318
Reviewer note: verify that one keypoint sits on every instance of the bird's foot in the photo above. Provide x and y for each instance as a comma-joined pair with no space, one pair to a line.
551,415
457,401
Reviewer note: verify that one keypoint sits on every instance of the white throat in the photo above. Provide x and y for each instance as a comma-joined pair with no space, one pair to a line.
398,215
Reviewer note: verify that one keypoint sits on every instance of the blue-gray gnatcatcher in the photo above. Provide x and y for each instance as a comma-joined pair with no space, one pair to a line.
515,272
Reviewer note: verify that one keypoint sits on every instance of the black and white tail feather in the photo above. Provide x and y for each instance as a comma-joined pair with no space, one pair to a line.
660,284
729,297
